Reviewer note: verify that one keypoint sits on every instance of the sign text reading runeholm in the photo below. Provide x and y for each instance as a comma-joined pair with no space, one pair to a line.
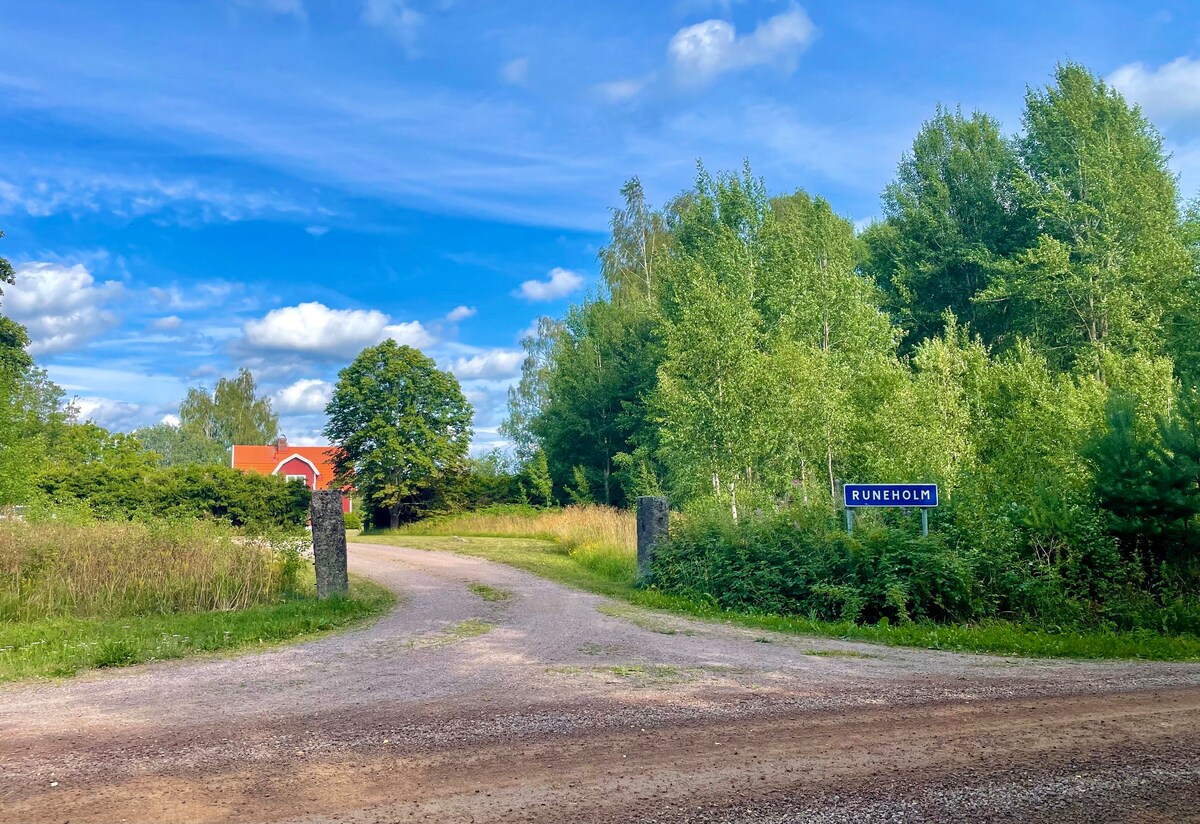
922,495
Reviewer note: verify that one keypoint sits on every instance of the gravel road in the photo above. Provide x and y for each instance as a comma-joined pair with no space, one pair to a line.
522,700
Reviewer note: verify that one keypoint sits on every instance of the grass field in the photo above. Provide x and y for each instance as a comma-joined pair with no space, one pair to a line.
605,563
81,596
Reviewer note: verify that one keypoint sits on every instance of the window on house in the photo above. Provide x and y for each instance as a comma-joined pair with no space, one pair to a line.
303,478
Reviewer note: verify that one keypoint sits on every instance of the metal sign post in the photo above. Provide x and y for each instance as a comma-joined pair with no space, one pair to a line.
906,496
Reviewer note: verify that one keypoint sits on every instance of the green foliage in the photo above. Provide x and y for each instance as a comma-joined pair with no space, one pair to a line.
774,564
6,271
138,490
536,477
232,414
177,446
581,493
748,352
1107,266
353,520
400,427
952,219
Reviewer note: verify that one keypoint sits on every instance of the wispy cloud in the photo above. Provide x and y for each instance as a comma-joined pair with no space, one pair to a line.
515,72
181,200
292,8
397,19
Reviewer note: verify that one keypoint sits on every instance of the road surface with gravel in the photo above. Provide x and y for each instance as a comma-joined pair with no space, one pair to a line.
493,695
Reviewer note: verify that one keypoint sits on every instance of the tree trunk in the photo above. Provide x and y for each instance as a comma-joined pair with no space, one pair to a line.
394,516
832,481
733,500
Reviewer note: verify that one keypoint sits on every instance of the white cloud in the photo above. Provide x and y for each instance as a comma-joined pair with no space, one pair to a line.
499,363
558,284
167,323
460,313
315,329
316,231
515,71
183,201
198,296
1171,90
701,52
307,396
396,19
62,306
170,420
109,413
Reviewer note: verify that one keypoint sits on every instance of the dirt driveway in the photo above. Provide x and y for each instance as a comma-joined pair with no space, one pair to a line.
521,700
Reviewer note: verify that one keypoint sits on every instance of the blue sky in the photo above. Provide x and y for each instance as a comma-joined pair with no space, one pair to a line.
193,186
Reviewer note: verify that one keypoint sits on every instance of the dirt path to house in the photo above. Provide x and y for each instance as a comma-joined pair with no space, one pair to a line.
550,705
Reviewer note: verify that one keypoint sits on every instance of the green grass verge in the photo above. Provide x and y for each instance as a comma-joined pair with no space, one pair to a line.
59,647
550,560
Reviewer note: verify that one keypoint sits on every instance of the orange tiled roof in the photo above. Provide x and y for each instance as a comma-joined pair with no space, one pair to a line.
265,459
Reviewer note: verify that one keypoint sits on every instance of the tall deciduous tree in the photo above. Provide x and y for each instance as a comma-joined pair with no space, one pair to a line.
232,414
13,337
1107,267
179,447
400,427
952,220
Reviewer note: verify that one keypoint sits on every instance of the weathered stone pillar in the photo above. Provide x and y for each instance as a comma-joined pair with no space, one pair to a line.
329,543
652,518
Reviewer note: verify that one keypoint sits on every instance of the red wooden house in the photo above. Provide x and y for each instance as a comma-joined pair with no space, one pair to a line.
311,464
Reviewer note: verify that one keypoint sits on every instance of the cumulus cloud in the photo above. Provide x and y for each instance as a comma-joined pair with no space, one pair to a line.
397,19
167,323
109,413
315,329
499,363
701,52
170,420
515,71
62,306
316,231
558,284
460,313
1171,90
304,397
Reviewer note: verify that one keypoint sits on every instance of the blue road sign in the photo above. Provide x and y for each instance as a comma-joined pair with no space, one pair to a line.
915,495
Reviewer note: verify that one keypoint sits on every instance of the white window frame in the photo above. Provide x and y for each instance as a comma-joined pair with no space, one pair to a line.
297,478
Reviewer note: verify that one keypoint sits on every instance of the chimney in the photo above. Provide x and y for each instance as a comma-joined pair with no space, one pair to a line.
280,443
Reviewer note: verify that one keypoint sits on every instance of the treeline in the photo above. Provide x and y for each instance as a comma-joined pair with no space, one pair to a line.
49,459
1021,327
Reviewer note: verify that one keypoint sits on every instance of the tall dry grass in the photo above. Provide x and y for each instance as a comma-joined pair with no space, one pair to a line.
124,569
601,538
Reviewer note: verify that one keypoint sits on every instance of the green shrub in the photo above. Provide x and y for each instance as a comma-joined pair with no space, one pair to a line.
1066,574
353,520
244,499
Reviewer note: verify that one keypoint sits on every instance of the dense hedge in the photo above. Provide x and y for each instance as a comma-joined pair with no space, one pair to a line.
804,563
138,492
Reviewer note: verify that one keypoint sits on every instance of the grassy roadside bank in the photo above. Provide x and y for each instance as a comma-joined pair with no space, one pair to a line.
608,569
78,596
64,646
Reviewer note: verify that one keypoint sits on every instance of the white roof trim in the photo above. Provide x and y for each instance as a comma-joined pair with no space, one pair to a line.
294,455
